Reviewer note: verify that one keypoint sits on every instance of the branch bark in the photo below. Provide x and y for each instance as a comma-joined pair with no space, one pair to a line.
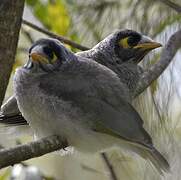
30,150
10,23
109,166
172,5
169,51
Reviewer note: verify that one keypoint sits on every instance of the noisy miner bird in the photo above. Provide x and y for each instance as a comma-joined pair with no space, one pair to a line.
81,100
121,51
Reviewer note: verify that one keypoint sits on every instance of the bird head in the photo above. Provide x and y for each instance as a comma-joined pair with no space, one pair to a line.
126,46
48,55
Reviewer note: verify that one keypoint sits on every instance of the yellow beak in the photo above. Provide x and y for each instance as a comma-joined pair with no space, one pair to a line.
37,57
148,45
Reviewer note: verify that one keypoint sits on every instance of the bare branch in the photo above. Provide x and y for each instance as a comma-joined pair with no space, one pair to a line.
109,166
27,34
169,51
53,35
10,22
30,150
172,5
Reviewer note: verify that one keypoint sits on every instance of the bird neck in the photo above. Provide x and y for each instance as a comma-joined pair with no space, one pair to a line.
101,55
129,74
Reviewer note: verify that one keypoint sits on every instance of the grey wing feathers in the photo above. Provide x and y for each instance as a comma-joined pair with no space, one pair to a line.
103,94
10,107
13,120
10,113
123,121
128,125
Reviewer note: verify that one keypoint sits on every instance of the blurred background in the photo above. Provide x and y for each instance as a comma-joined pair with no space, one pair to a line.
88,22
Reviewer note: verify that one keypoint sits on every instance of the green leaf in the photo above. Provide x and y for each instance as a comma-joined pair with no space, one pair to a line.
5,175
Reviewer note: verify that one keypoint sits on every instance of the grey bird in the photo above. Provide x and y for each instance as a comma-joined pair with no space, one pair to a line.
80,100
121,51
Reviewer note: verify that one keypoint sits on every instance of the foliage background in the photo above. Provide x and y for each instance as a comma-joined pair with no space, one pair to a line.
88,22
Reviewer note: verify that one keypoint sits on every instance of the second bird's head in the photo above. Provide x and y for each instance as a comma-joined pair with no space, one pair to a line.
125,46
119,47
48,55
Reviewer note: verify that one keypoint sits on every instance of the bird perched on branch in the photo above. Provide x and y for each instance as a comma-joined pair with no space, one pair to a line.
81,100
121,51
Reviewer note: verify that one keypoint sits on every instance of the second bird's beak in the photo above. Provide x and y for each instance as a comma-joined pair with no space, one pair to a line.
37,57
147,44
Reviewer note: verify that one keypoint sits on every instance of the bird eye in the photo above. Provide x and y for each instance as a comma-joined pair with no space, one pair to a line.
129,42
133,40
48,52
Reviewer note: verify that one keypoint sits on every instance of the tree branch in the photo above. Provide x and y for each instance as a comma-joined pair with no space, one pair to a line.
27,34
109,166
53,35
30,150
10,23
172,5
169,51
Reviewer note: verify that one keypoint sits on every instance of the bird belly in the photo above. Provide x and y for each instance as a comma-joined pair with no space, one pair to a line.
49,115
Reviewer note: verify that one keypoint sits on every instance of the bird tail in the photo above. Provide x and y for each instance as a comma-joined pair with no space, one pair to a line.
153,155
158,160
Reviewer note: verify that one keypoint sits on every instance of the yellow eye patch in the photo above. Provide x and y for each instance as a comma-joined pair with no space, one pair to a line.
54,58
124,43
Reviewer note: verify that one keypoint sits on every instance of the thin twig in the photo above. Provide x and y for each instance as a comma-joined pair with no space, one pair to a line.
169,51
172,5
30,150
109,166
53,35
28,35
